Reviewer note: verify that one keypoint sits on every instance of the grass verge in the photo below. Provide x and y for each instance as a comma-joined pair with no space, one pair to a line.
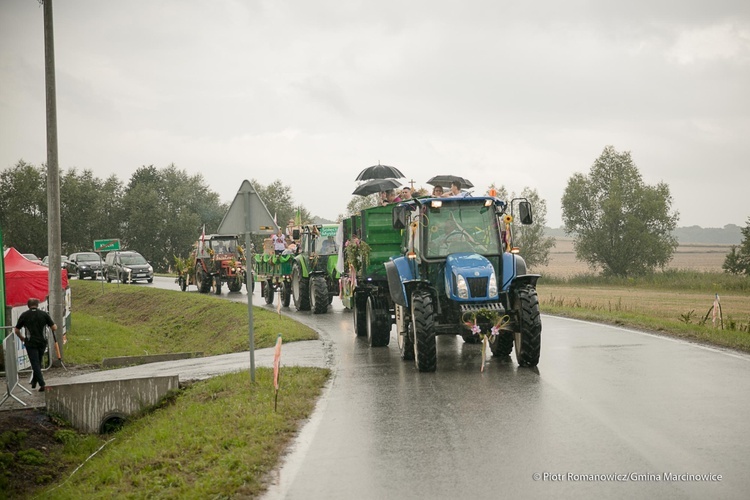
215,439
113,321
676,303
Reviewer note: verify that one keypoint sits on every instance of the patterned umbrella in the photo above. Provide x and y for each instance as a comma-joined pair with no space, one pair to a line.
379,172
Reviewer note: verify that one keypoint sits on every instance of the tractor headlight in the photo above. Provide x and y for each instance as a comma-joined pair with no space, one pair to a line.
493,285
461,289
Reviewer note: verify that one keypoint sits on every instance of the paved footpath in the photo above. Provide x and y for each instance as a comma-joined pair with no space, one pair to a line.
315,353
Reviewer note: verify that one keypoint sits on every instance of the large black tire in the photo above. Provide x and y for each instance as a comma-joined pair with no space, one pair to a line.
318,295
423,321
300,289
202,280
123,278
501,344
360,315
217,285
529,334
235,284
286,293
268,291
406,343
183,283
378,322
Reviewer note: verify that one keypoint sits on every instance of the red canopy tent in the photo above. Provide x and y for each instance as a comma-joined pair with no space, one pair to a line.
24,279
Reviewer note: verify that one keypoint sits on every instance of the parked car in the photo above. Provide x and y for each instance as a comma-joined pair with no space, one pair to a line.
84,264
33,258
63,258
127,267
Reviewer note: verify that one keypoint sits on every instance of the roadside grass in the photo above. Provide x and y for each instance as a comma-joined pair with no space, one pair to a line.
217,438
677,303
113,321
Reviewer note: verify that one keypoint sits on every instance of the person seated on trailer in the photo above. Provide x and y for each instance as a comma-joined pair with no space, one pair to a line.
456,191
437,191
405,193
279,242
390,197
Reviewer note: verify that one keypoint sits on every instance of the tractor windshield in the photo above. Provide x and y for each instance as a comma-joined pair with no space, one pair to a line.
461,226
223,246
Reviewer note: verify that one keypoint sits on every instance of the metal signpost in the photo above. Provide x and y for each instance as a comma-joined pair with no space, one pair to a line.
248,214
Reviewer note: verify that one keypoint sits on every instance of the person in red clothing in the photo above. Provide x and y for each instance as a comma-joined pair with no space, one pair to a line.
35,321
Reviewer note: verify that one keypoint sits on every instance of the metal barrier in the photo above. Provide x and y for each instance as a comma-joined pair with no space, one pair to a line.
11,367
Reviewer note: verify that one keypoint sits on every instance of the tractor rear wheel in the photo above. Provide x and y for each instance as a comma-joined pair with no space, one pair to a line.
268,291
300,289
360,314
406,342
202,279
502,344
423,322
378,322
318,295
528,336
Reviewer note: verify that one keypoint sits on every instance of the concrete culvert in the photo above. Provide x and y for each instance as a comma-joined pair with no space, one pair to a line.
112,422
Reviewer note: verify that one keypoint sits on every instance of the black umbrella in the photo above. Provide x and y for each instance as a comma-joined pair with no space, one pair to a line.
447,180
375,186
379,172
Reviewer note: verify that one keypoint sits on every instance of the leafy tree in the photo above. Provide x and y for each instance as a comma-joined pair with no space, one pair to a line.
737,260
23,208
535,246
89,210
359,203
164,212
619,223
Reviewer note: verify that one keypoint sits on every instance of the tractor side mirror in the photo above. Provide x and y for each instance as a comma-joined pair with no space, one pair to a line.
295,234
524,210
399,216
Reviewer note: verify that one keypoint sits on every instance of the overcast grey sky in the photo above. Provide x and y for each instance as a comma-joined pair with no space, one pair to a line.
311,92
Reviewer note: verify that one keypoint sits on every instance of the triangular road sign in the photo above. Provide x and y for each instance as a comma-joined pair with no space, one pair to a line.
247,214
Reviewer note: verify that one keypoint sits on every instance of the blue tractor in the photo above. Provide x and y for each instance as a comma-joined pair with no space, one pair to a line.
459,274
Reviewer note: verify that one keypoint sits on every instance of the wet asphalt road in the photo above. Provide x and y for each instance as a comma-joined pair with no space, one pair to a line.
609,413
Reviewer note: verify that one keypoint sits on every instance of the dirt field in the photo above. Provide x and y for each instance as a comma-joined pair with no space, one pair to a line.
563,263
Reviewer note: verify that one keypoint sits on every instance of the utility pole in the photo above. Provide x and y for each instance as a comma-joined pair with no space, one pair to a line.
56,301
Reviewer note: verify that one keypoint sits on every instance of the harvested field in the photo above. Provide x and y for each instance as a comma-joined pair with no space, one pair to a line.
695,257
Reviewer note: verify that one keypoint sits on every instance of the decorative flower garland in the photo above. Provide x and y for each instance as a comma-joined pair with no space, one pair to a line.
497,321
357,254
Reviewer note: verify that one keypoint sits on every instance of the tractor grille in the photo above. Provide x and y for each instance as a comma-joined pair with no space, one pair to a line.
477,287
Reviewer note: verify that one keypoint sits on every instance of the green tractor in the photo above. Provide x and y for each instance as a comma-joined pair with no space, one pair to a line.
315,280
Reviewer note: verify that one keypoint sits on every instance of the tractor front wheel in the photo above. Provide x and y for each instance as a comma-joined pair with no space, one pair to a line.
360,314
423,323
528,338
286,293
202,279
300,289
318,294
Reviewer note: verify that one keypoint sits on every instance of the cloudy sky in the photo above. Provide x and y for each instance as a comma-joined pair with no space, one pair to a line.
312,91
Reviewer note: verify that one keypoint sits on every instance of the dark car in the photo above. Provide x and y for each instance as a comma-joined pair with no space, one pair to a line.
84,264
127,267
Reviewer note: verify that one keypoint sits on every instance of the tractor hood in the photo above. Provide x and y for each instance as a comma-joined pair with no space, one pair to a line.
469,277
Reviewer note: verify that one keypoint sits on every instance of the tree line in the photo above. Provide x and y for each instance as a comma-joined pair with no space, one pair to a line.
620,225
159,213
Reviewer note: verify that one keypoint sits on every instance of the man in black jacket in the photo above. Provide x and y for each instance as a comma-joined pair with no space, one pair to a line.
35,341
